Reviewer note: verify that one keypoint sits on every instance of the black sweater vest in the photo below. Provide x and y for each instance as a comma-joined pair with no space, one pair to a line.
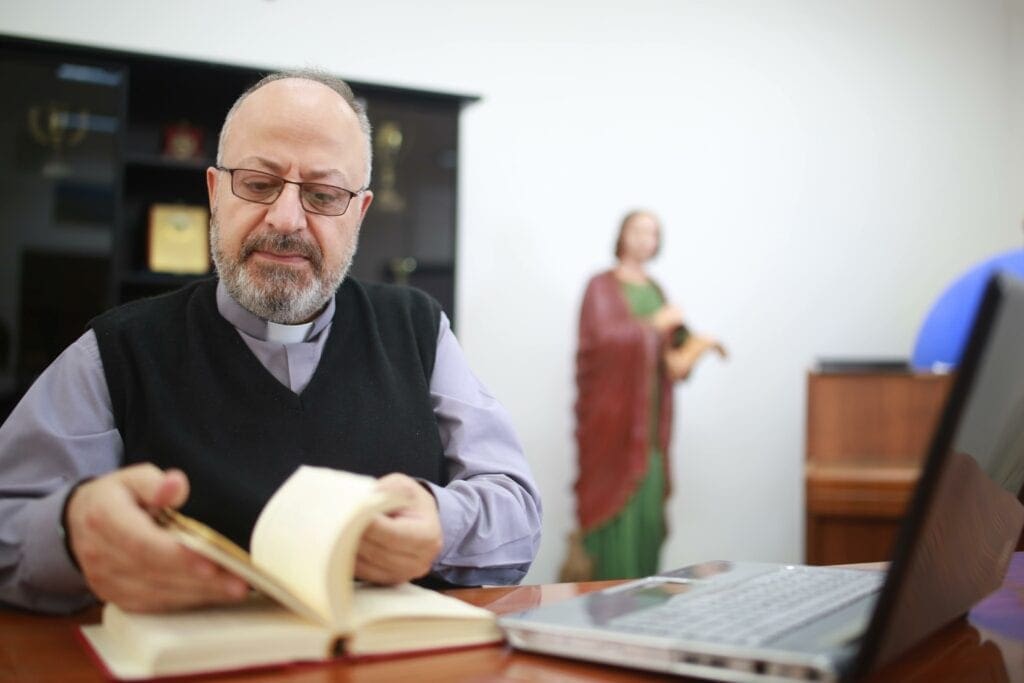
188,393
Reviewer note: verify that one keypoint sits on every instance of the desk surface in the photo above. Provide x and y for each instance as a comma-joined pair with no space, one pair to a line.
988,645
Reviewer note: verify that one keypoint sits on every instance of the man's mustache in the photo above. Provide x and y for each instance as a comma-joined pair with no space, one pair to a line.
283,244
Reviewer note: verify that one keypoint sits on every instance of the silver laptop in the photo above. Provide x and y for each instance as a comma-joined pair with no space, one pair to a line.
744,621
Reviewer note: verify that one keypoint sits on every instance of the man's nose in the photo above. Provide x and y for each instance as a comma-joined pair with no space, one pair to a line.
286,214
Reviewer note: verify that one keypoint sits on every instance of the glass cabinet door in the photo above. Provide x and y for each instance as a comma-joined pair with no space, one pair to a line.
408,236
59,132
89,161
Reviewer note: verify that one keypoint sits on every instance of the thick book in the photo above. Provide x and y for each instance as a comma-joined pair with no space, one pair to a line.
306,606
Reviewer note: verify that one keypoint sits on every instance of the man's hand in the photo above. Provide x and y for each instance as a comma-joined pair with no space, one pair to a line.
403,545
127,558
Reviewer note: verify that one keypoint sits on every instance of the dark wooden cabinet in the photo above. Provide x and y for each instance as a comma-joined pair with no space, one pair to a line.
84,158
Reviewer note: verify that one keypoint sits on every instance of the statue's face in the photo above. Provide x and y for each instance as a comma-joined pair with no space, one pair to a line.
640,239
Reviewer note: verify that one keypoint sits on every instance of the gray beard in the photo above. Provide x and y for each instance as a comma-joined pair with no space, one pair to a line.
280,294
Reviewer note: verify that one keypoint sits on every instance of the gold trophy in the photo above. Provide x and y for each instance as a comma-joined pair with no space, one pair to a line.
54,126
401,268
388,144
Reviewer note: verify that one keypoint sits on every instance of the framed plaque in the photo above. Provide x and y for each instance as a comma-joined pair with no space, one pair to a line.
179,239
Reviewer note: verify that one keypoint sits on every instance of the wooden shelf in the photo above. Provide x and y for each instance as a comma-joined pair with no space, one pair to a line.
149,277
164,162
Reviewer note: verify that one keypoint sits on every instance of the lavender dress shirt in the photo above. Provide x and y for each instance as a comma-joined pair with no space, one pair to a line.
63,431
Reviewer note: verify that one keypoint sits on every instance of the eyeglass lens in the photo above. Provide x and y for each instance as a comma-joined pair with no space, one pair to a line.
265,188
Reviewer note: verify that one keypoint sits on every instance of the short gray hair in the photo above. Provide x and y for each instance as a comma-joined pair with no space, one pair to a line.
317,76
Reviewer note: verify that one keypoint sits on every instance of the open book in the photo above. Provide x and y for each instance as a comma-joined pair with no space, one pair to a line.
308,607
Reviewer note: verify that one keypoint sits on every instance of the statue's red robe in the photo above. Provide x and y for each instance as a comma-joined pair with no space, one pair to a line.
615,365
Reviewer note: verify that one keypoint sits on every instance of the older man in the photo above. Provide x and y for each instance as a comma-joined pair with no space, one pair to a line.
207,398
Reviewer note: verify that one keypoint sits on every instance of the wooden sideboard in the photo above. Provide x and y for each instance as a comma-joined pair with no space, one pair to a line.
867,434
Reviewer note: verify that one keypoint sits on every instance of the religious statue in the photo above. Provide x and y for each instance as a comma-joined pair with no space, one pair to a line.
633,345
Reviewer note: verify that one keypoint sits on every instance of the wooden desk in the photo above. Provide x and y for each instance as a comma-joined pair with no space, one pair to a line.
988,646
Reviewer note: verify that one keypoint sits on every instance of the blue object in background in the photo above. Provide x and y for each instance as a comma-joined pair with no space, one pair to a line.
944,332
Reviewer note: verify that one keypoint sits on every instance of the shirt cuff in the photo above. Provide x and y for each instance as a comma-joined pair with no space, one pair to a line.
48,567
453,523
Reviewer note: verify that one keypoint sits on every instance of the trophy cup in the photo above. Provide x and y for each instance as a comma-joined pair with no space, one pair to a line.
401,268
388,144
55,127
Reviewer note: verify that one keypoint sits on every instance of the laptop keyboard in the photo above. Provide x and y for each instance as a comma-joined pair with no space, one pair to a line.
755,611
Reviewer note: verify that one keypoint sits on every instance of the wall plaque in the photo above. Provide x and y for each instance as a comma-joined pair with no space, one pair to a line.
179,239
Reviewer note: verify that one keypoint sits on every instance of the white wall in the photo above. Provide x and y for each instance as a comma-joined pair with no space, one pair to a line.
823,170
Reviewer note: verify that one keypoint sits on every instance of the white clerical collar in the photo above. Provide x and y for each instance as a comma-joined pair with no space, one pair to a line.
287,334
257,327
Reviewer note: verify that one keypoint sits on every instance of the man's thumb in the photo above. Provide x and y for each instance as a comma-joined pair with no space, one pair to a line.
155,488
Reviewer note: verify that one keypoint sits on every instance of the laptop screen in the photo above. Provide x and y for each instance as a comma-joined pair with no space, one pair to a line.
964,519
992,428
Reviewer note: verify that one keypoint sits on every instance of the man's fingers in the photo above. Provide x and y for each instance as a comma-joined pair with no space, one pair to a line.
387,570
122,525
150,583
112,514
173,490
153,488
403,544
400,484
385,532
152,593
398,536
156,557
366,570
193,589
397,549
130,560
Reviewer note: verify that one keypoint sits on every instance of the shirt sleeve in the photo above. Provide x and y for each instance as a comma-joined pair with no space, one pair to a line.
490,509
61,432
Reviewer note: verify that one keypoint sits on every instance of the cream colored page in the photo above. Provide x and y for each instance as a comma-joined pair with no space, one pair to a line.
233,625
256,577
372,603
298,537
255,632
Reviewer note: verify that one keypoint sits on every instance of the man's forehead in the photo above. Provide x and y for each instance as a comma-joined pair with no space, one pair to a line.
297,93
292,117
307,171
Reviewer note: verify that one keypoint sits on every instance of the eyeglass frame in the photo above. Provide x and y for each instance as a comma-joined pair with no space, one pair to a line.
352,193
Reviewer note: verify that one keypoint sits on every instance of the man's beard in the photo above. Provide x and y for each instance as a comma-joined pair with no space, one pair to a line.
278,293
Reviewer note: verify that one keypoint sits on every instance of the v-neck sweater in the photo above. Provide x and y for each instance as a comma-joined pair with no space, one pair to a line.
187,392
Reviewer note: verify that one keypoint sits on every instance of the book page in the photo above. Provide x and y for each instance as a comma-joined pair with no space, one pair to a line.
409,601
307,534
256,632
207,542
407,618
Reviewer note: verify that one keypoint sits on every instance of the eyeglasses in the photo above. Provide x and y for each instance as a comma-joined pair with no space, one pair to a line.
265,188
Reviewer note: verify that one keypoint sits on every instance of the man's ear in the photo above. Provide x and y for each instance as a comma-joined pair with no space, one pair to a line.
365,199
212,177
